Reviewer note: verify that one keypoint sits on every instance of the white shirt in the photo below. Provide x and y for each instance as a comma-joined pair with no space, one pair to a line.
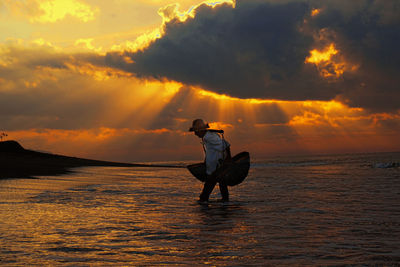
214,147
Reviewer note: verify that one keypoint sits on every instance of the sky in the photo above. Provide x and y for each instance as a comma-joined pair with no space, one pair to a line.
123,80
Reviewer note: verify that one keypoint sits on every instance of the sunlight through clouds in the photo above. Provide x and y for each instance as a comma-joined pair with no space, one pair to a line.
328,62
277,76
171,11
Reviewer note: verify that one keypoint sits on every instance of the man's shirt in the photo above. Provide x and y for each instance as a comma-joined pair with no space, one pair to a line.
214,147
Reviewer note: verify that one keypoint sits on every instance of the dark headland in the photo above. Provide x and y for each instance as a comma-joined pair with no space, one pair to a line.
18,162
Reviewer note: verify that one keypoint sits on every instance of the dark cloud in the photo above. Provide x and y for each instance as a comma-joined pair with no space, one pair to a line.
253,50
367,33
258,49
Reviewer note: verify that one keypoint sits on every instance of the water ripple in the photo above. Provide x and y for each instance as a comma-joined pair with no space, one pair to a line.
342,212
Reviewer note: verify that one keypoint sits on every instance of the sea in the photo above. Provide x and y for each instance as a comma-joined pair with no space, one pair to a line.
325,210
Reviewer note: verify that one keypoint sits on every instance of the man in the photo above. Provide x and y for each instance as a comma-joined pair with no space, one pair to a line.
216,150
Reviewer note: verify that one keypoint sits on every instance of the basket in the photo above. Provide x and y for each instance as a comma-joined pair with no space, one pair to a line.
232,172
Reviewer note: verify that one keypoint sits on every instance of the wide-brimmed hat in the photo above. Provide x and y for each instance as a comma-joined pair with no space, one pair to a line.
198,125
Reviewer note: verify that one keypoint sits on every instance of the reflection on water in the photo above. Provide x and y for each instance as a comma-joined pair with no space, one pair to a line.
341,212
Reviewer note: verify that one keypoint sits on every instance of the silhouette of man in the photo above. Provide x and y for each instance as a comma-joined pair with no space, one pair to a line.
216,150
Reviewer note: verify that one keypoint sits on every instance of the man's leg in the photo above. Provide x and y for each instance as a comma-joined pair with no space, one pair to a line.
208,188
224,192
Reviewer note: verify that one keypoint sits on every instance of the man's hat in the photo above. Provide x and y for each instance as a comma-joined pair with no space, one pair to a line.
199,125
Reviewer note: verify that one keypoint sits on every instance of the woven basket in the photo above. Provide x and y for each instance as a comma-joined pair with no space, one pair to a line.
232,172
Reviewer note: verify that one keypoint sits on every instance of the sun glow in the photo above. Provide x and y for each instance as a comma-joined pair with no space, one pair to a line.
329,62
318,56
87,43
299,113
98,73
167,13
223,97
311,112
141,42
315,12
171,11
55,10
285,126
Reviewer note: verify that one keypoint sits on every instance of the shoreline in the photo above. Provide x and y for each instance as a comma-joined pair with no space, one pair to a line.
17,162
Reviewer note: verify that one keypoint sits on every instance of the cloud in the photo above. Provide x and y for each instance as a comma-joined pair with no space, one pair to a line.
368,33
259,49
238,51
50,11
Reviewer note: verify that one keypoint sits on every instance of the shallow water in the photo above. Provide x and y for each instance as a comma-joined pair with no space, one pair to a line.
326,210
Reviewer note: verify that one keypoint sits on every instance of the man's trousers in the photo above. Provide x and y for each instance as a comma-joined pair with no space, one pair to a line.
209,185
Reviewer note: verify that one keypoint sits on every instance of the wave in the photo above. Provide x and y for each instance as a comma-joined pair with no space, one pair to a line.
385,165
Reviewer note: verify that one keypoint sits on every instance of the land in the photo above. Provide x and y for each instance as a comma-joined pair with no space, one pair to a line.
18,162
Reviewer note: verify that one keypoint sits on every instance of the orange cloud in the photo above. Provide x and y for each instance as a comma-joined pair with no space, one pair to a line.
220,125
167,14
88,44
50,11
328,65
315,12
98,73
322,56
171,11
